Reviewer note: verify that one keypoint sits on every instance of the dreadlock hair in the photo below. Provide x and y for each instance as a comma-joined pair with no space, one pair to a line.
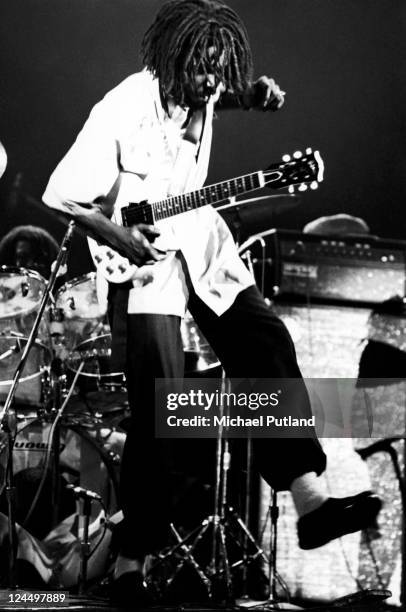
44,246
176,47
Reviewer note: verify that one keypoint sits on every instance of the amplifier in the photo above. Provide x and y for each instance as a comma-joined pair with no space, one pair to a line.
363,269
329,343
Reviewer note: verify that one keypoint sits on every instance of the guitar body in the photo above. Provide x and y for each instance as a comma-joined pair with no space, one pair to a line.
114,267
300,170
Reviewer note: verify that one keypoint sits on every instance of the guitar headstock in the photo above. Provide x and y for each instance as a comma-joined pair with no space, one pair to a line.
305,170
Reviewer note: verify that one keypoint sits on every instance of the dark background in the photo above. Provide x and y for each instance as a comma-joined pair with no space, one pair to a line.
342,63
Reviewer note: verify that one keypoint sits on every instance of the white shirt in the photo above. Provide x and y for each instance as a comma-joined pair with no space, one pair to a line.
129,133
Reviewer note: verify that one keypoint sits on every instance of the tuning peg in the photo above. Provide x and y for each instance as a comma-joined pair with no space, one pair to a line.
314,185
297,154
286,158
291,189
309,151
303,187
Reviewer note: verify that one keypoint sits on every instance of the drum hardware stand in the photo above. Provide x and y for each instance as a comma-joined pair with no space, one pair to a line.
274,577
248,491
56,485
215,521
273,574
219,567
56,319
4,417
85,497
84,545
385,445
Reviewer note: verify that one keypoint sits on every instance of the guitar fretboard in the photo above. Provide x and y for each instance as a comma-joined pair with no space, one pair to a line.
212,194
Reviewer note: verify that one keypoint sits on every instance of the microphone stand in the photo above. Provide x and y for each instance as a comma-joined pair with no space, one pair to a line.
4,417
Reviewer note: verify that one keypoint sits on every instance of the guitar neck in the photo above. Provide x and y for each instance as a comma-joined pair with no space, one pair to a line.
212,194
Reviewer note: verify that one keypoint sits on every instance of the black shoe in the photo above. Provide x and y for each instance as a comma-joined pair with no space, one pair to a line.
337,517
130,591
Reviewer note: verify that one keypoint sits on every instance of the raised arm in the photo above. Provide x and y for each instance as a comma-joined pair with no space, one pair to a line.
264,94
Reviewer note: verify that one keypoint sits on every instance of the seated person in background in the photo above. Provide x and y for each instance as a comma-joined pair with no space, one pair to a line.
340,224
29,246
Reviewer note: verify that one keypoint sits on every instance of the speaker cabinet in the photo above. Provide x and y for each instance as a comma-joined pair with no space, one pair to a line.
329,342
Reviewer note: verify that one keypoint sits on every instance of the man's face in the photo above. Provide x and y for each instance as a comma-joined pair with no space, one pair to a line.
24,257
205,83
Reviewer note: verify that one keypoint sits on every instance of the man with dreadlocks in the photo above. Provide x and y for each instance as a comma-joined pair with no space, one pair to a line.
147,139
29,246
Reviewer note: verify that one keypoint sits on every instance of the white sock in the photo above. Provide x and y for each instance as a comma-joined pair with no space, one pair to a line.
124,565
308,493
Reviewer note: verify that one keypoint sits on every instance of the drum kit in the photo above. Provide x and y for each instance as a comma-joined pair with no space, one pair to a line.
68,363
69,360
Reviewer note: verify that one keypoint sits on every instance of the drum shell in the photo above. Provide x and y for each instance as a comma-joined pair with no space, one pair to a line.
89,458
21,291
84,315
104,390
32,387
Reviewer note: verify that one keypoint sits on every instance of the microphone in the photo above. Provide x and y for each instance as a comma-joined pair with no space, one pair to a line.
64,250
82,493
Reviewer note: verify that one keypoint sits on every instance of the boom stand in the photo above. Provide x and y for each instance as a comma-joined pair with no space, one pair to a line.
217,576
4,417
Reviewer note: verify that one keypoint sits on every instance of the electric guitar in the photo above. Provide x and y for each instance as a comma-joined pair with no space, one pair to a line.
302,170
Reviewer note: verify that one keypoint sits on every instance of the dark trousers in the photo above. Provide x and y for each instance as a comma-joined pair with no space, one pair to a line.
250,341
